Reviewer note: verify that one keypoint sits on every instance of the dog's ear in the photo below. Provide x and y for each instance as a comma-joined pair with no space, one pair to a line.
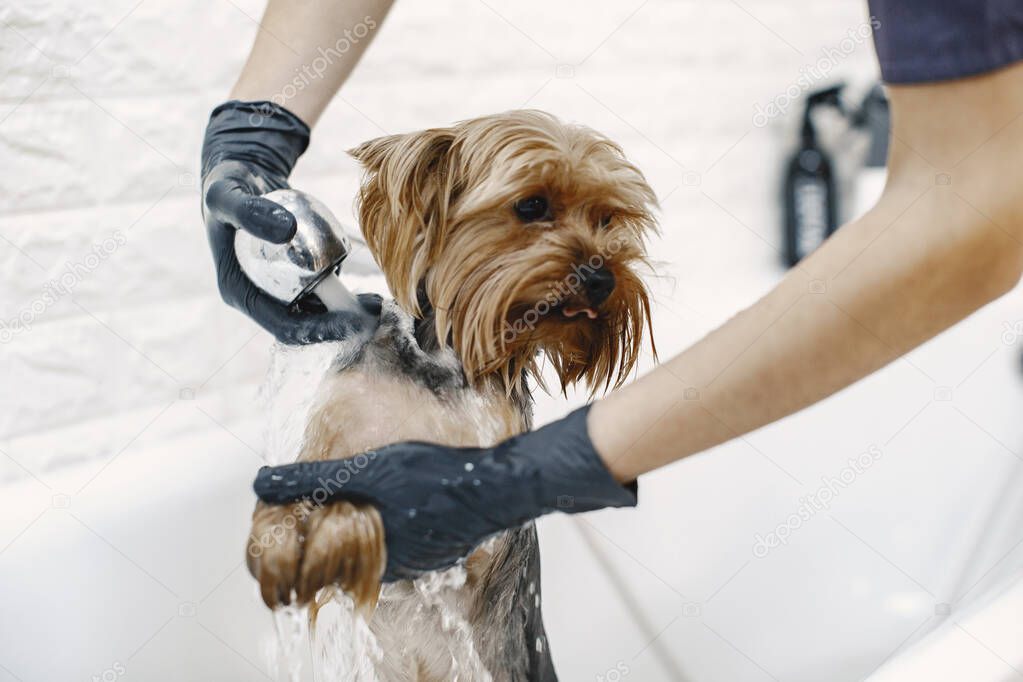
403,205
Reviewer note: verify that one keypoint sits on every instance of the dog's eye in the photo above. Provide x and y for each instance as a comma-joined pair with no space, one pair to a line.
532,209
605,220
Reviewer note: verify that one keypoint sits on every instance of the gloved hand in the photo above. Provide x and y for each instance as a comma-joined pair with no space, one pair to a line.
250,149
438,503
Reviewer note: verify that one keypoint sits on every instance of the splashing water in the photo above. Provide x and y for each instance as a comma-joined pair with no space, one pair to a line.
344,648
287,395
432,588
342,645
291,626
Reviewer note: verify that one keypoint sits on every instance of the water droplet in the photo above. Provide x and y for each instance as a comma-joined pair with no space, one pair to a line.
532,588
443,481
539,644
475,481
469,466
412,513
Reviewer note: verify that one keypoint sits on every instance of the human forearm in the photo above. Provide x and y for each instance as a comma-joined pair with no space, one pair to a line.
304,51
925,257
796,346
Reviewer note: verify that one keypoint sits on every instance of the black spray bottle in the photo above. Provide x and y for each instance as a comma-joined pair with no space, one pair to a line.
810,198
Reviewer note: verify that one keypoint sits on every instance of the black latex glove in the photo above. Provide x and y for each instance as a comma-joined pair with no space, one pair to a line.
438,502
250,149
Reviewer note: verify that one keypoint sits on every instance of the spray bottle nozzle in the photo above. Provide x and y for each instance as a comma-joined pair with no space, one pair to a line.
826,97
830,96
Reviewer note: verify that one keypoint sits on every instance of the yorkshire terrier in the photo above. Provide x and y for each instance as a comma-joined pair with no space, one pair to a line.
504,239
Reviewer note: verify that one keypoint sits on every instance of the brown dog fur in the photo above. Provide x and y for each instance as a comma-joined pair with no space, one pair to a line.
437,210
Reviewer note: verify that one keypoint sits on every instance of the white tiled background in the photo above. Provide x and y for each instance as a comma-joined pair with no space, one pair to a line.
128,414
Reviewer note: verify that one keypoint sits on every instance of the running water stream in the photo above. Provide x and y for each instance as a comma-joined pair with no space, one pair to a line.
433,588
342,646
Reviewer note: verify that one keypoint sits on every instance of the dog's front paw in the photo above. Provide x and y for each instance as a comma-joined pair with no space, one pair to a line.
295,550
274,552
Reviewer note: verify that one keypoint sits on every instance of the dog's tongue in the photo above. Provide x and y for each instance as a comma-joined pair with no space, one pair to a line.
572,312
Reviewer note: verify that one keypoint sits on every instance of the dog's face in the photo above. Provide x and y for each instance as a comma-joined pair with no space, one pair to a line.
523,233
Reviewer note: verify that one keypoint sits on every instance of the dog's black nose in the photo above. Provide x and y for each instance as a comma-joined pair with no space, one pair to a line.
599,285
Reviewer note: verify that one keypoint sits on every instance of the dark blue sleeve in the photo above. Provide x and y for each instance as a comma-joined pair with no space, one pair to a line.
920,41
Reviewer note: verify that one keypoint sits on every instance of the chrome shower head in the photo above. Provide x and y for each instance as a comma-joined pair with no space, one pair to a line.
289,271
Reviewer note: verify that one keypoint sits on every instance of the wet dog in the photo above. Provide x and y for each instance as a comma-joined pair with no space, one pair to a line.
507,241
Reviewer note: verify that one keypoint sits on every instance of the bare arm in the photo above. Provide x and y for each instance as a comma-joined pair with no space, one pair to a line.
304,52
926,256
